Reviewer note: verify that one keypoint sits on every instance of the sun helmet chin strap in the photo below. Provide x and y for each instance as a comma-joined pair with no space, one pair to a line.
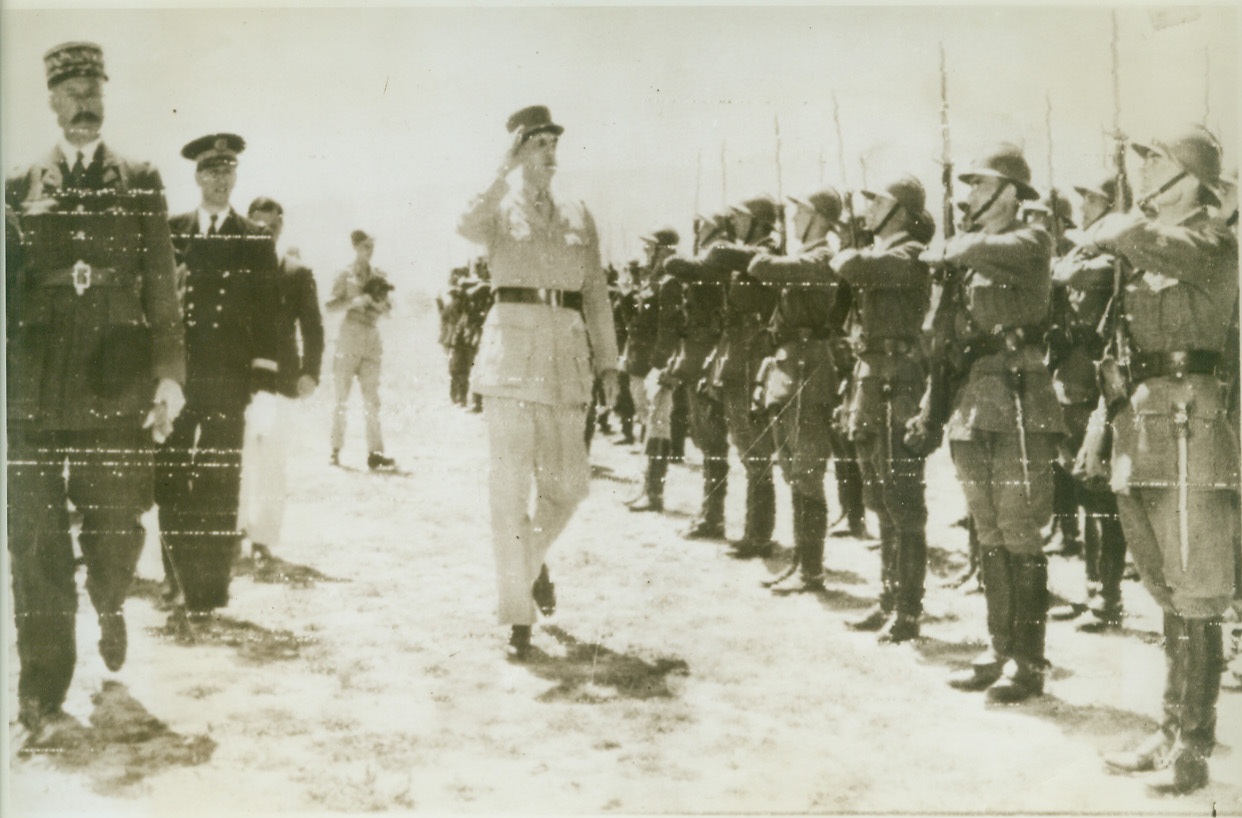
974,217
892,211
1146,201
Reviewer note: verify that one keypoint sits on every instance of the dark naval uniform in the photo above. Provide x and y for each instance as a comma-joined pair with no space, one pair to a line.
891,289
299,316
232,308
1003,435
1175,458
703,299
799,389
92,323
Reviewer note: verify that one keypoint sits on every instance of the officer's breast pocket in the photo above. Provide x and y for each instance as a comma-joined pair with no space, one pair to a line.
506,349
122,355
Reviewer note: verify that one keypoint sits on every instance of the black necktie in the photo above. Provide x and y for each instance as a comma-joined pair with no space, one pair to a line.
211,231
79,169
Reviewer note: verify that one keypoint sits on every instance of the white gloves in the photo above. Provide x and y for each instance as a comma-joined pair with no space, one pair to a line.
166,406
261,414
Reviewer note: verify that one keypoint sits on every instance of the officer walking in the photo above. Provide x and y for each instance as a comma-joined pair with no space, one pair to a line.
231,307
1005,422
891,290
361,292
547,338
799,382
1175,453
299,358
86,355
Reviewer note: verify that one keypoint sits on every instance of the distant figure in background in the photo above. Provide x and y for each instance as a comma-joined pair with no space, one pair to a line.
362,292
548,336
263,493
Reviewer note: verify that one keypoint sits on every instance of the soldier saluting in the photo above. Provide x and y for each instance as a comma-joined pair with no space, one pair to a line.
891,290
232,326
1005,421
1175,453
93,334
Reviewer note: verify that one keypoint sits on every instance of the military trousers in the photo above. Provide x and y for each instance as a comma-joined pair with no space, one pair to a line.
461,359
751,435
1203,586
261,509
710,435
892,480
198,489
803,441
1008,506
107,475
358,356
659,417
539,446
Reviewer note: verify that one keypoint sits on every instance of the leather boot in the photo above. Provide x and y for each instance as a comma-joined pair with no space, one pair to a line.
877,616
1108,612
811,543
710,523
652,498
1204,660
760,507
1024,676
994,567
911,575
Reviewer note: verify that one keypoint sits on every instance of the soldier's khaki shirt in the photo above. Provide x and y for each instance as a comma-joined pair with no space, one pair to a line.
537,352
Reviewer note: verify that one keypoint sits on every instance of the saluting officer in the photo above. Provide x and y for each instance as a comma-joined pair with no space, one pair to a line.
666,295
231,307
1005,423
1082,285
891,290
703,299
92,335
799,382
1175,453
547,338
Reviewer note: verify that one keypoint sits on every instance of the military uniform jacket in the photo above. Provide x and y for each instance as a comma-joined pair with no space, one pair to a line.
1179,297
538,352
702,313
641,332
1086,275
1007,285
232,310
748,306
299,315
801,325
891,288
87,356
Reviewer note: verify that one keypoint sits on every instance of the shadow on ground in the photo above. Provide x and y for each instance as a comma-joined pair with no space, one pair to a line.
123,745
590,672
253,642
274,570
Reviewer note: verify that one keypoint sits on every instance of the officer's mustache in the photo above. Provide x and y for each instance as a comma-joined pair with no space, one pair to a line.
86,118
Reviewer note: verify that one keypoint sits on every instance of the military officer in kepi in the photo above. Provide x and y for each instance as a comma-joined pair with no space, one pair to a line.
546,339
1005,421
231,307
93,336
1175,453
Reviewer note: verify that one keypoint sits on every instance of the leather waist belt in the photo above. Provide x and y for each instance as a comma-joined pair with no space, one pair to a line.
790,335
1146,365
81,277
569,299
886,346
1021,336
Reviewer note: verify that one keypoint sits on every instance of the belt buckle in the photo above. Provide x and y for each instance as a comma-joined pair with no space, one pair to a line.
1179,364
81,277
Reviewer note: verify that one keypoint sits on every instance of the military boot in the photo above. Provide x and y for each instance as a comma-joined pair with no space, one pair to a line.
1156,750
760,508
1203,660
877,615
810,528
998,590
1024,674
911,575
652,498
1107,611
710,523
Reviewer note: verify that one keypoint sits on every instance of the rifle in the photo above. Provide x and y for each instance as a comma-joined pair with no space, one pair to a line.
1052,188
1112,372
698,187
848,196
783,241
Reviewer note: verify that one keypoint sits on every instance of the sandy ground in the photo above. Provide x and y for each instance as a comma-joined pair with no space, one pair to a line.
368,673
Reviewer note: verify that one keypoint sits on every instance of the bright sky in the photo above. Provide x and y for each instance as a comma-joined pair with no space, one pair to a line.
389,119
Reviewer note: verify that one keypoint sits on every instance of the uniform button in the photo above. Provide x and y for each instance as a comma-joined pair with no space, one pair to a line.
226,275
219,307
215,324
